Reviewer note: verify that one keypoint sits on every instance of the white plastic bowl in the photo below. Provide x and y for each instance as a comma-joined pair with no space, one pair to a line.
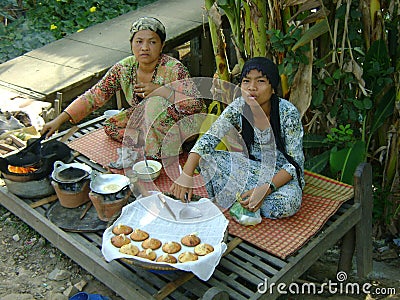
140,169
111,112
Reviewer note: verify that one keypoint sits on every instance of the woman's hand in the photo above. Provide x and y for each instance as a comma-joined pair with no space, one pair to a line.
52,126
254,198
182,185
145,89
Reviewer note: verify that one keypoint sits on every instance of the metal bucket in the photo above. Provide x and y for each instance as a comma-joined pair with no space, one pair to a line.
30,189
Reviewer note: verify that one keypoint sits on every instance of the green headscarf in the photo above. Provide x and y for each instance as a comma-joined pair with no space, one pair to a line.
148,23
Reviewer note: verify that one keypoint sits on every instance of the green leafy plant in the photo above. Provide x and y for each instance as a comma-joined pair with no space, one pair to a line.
27,25
283,43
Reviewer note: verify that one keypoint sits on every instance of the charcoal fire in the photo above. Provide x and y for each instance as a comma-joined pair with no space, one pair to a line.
22,170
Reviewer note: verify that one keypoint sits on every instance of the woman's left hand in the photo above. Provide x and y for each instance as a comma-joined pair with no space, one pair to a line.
182,185
145,89
254,198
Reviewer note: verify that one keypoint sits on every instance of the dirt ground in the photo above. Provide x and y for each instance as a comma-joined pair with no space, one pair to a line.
31,268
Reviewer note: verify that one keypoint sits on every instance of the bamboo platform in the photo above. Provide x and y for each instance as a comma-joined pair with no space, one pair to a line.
242,268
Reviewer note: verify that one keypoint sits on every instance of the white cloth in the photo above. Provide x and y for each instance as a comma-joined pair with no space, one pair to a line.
150,215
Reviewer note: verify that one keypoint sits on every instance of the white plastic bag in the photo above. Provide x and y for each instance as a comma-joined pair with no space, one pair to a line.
242,215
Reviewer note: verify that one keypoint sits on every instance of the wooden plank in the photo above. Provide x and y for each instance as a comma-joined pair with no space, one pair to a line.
233,294
9,148
160,278
43,201
237,285
347,251
273,260
17,141
70,133
363,196
239,269
238,254
96,238
195,286
29,93
110,274
173,285
307,255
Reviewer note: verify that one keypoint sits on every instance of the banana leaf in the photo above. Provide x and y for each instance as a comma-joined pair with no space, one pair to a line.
318,163
315,31
301,89
313,141
346,161
384,110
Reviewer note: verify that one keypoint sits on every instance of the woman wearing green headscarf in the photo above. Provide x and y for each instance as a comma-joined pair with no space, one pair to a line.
156,86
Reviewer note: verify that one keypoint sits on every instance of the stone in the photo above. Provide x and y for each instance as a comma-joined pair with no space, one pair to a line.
80,285
70,291
59,275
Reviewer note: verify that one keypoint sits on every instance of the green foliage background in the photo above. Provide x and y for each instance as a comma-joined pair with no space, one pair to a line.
30,24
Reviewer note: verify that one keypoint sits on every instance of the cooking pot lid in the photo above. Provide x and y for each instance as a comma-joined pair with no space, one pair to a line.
108,183
70,175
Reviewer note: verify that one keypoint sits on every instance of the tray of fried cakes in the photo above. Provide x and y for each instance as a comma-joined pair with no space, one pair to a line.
148,235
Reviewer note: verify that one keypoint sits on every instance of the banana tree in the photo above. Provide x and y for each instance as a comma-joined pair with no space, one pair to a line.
247,21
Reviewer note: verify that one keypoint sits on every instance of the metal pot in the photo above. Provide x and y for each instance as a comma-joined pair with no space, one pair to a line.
30,189
70,173
108,183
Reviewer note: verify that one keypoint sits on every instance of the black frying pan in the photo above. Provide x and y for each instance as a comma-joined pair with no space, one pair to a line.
28,156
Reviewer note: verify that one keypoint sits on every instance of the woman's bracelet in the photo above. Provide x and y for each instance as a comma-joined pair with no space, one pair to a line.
272,186
170,94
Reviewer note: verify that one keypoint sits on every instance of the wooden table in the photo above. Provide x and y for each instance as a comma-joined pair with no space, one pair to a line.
243,266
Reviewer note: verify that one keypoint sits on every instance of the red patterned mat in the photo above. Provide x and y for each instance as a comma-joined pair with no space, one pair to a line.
101,149
97,146
322,197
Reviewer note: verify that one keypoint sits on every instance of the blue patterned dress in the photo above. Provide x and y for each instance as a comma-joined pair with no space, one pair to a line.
227,173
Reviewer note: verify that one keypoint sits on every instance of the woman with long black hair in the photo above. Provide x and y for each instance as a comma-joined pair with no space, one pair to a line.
269,173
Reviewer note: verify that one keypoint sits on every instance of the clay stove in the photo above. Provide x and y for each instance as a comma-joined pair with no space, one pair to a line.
109,205
71,183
